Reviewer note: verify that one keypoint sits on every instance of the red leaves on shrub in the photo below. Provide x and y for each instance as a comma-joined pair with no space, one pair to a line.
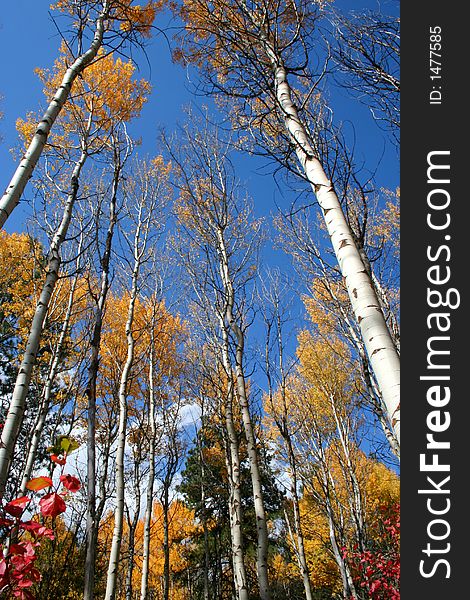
70,482
17,506
378,571
37,529
58,460
52,505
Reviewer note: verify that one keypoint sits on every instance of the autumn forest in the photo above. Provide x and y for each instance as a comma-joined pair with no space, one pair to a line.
199,386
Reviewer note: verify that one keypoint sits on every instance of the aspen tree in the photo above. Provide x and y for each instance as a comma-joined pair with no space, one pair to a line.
153,440
50,379
256,55
320,397
16,409
277,373
376,232
112,22
209,211
209,315
143,198
93,116
120,149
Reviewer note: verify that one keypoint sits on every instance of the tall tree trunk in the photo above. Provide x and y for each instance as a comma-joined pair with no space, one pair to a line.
205,530
335,529
299,542
113,566
14,417
206,592
47,389
26,167
376,400
132,524
355,495
91,522
380,346
151,479
282,423
261,523
166,543
233,468
349,591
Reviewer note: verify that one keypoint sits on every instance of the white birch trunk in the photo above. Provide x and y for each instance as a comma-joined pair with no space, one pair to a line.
299,542
261,524
204,526
378,342
91,532
132,524
355,498
14,417
113,565
233,469
349,591
283,427
47,390
26,167
376,399
151,480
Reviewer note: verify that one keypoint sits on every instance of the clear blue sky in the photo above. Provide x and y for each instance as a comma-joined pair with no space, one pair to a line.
29,39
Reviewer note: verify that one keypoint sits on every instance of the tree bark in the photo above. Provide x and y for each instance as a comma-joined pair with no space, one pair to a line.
166,544
261,524
26,167
47,390
91,521
299,545
151,479
378,342
132,524
232,455
113,566
14,417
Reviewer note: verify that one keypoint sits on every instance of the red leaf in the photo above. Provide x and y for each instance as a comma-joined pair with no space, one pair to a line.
39,483
70,482
33,576
5,522
52,505
56,459
17,506
37,529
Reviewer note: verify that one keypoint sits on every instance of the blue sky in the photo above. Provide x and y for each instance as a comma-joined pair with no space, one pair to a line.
29,39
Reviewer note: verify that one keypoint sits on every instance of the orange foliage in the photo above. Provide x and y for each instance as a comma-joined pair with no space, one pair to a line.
182,527
106,93
130,16
22,275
